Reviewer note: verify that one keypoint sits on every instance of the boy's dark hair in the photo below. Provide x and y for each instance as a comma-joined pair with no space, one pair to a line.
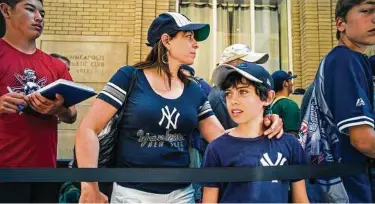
342,9
234,79
60,57
12,4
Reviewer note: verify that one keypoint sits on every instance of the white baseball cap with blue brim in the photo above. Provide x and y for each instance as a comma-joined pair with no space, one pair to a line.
250,71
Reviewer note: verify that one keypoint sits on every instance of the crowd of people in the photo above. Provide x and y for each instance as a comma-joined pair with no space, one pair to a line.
245,119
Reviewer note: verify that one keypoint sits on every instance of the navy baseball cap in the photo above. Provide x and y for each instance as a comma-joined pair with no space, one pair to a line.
250,71
171,22
280,76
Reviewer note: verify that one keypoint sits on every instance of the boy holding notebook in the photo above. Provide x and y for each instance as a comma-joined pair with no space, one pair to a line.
28,140
248,91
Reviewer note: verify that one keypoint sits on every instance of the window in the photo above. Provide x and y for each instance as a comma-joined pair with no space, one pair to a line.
261,24
233,24
271,32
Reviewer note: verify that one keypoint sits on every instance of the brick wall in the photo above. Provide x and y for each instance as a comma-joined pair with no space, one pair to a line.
90,17
313,31
127,18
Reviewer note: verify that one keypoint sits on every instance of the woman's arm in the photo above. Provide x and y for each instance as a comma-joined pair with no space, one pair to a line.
87,145
299,194
210,128
210,195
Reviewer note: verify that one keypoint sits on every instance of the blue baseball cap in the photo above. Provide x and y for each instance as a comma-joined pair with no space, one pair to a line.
280,76
171,22
250,71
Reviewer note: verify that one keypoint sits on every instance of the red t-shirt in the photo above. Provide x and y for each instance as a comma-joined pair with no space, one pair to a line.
30,139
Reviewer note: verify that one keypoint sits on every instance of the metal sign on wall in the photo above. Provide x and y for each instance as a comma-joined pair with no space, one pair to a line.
94,59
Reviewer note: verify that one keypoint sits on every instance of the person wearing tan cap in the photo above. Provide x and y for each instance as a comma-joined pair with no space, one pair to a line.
232,55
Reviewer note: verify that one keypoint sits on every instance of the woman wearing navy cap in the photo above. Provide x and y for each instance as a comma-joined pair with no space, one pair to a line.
162,111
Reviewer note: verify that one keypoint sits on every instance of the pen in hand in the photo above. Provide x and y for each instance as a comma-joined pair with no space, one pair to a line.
20,106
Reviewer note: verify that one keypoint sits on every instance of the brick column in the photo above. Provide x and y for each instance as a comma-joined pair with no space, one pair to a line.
296,43
138,30
309,40
325,27
148,14
313,38
333,15
162,6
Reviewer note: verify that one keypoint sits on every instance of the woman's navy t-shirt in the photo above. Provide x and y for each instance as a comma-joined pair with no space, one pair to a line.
154,130
229,151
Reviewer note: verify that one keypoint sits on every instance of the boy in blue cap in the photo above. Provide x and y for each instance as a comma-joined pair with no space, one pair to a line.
283,106
248,91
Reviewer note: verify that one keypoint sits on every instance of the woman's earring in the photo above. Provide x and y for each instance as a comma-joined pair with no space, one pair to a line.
162,59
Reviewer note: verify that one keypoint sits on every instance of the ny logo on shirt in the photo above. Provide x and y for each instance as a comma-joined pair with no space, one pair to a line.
171,118
266,161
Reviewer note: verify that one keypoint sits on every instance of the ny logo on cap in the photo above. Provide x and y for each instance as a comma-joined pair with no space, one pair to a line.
268,82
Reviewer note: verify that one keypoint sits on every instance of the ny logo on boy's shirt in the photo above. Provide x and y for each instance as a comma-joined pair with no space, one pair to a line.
266,161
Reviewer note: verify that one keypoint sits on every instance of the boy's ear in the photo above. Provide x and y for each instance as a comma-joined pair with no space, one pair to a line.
271,96
340,24
4,9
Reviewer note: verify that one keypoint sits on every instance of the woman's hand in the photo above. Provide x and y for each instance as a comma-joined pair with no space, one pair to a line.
275,124
90,194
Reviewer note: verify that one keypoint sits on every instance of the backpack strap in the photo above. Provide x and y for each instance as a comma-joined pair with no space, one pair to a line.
122,109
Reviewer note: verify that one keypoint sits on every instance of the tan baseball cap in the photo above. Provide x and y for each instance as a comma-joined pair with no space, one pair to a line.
243,52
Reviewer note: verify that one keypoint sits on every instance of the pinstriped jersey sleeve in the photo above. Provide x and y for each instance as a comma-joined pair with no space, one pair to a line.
115,90
205,109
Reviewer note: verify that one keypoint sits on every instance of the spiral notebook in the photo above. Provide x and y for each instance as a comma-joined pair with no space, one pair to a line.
72,92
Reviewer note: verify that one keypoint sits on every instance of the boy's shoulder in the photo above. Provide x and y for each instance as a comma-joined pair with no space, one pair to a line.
288,138
343,55
222,142
341,50
219,140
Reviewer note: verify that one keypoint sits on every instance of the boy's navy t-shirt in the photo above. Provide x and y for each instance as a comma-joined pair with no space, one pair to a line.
229,151
154,130
348,93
